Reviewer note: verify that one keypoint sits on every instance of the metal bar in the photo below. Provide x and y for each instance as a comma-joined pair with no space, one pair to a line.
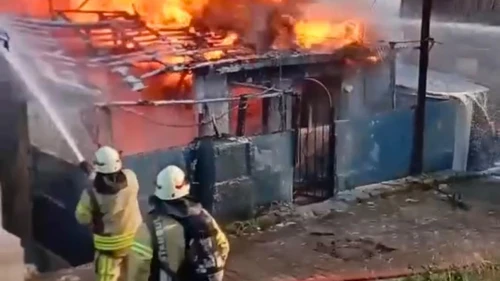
417,164
282,108
250,85
93,12
296,128
315,126
24,28
307,145
242,115
276,93
59,24
392,73
332,152
151,52
266,105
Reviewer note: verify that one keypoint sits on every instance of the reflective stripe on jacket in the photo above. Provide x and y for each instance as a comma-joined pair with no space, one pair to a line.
121,215
113,243
141,252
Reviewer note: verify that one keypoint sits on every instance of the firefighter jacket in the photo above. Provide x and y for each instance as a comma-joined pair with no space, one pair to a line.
117,216
144,262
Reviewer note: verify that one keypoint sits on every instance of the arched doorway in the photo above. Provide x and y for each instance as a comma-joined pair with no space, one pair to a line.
314,177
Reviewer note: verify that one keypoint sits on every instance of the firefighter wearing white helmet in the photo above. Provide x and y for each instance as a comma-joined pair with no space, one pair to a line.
111,209
179,239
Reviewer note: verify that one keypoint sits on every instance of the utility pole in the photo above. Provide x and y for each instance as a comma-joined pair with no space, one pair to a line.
417,162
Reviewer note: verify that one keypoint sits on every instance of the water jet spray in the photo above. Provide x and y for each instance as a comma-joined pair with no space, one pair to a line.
29,78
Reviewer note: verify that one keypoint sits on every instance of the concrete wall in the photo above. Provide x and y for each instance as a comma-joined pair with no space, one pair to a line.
213,86
250,173
260,167
379,148
370,92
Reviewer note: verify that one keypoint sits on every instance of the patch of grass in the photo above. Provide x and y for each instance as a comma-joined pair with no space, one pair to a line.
487,272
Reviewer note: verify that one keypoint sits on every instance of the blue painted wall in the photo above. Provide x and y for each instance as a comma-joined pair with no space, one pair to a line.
379,148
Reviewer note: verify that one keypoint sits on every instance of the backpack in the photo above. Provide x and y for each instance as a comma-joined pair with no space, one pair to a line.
202,260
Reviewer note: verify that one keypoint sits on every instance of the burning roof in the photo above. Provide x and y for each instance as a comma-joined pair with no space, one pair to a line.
150,38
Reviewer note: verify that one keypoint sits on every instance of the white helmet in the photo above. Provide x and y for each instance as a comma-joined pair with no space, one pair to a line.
107,160
171,184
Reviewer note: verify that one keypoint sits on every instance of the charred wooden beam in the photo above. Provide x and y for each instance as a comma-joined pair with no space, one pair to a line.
242,114
266,107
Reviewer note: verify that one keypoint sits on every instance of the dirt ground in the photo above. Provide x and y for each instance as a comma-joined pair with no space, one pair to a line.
380,236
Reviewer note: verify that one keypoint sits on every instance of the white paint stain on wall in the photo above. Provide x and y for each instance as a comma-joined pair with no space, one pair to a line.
375,153
439,125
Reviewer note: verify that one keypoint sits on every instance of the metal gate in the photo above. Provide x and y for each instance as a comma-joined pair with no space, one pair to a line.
314,127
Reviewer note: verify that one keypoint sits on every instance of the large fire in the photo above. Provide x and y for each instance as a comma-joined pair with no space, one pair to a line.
261,25
272,23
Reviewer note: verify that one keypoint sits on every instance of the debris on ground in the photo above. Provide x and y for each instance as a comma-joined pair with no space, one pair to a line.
455,199
348,249
383,234
275,215
398,232
482,272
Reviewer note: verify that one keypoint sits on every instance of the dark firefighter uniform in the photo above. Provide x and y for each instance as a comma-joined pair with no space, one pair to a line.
163,246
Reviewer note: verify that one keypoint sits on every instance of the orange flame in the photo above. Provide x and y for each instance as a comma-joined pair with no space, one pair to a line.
227,41
181,13
311,33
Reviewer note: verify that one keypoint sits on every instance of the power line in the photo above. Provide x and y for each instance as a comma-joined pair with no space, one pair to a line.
159,123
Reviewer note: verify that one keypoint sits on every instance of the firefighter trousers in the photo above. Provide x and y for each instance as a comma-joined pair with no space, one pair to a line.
110,268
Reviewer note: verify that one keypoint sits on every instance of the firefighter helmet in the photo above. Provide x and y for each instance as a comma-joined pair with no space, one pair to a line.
171,184
107,160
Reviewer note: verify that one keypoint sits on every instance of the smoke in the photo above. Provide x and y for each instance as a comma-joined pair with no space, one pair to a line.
267,23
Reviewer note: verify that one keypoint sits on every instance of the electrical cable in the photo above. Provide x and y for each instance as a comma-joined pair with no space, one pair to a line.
159,123
197,124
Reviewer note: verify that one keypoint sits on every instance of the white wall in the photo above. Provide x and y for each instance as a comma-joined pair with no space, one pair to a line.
11,254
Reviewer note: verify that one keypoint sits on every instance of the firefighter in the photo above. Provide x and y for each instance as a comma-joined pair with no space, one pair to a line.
111,209
179,240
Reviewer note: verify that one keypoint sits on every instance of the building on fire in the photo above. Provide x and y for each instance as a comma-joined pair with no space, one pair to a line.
252,121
